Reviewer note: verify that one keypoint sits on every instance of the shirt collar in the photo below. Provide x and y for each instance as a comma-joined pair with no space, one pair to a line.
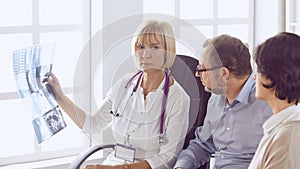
160,87
285,115
245,93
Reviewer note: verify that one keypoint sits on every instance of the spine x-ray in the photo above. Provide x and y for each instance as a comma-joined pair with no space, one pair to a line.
31,66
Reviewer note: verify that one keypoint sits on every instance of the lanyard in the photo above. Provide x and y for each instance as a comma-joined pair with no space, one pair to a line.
138,82
164,99
164,103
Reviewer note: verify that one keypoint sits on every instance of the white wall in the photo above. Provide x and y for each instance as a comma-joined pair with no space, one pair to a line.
266,20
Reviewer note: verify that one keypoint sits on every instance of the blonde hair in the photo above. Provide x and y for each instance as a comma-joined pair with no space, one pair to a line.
151,31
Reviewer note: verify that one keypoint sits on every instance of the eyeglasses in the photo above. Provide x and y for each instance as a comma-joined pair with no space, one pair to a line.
199,70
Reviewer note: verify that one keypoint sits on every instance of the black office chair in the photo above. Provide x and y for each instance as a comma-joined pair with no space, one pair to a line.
183,71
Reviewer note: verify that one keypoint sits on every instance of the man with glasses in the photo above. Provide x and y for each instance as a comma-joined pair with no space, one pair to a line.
232,127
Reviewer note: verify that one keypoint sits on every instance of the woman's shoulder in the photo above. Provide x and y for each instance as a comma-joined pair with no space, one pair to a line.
288,130
177,89
118,83
123,79
290,127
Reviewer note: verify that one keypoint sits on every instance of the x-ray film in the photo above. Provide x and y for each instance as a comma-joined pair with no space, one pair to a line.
31,66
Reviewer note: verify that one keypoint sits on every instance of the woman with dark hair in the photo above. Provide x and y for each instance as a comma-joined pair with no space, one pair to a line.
278,83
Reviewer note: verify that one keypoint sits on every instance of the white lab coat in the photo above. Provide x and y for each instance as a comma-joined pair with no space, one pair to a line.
140,119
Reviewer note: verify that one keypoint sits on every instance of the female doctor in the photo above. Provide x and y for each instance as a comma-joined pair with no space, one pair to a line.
148,111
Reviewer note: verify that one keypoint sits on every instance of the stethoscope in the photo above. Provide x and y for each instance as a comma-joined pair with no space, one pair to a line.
161,139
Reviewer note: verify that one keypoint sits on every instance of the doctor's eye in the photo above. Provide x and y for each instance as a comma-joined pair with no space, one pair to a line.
154,47
140,46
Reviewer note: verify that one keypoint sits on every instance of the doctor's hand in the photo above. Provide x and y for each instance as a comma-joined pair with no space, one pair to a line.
53,86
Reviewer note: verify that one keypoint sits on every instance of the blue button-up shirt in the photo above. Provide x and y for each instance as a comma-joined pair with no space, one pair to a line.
231,132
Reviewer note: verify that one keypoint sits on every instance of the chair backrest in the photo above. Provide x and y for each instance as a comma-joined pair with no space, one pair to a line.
183,70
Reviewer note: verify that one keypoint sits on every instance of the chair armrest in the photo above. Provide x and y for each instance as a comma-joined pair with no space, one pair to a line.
85,154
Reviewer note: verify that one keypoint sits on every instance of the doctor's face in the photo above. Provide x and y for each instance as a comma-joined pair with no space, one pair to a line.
151,52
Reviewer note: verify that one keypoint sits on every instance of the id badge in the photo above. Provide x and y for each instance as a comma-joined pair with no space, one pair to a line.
124,152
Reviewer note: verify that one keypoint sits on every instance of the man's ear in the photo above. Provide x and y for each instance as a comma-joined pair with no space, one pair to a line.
226,72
